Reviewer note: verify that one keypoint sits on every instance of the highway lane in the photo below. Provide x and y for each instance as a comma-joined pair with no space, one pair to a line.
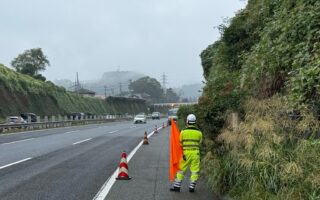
65,163
39,133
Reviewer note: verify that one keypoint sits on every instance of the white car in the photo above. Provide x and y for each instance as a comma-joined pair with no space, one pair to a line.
155,115
140,118
16,120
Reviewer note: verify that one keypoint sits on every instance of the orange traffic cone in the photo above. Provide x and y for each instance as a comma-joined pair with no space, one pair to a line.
123,168
145,138
156,129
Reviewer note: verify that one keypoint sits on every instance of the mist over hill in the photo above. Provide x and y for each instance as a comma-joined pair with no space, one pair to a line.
114,82
190,92
193,90
110,82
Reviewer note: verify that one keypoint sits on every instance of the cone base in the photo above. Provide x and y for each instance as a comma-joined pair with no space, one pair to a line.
123,178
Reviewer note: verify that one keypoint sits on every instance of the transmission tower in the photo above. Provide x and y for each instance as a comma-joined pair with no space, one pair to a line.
77,86
164,82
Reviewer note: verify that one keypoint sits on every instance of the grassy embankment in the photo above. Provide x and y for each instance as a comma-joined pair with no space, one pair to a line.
266,68
21,93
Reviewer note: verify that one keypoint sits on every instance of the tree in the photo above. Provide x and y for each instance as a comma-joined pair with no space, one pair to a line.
31,62
171,96
149,87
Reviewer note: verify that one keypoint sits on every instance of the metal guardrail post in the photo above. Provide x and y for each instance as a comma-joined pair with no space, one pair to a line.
53,119
46,121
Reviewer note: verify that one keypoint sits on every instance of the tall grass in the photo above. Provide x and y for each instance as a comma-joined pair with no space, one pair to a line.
271,155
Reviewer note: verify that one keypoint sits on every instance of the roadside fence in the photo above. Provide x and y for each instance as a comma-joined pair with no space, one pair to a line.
58,121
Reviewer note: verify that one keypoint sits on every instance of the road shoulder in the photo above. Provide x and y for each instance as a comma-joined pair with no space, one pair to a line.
149,169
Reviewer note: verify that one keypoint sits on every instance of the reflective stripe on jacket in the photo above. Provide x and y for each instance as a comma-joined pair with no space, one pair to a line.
190,138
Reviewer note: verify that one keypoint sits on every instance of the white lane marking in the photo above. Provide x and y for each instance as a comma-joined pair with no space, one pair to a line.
114,131
82,141
14,163
133,126
17,141
31,131
104,126
70,131
106,187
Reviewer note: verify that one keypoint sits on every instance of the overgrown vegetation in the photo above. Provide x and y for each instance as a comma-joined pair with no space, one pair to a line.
22,93
267,157
266,68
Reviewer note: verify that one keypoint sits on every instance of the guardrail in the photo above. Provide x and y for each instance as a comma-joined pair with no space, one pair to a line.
17,127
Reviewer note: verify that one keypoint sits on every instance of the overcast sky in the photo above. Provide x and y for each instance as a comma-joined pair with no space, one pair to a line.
94,36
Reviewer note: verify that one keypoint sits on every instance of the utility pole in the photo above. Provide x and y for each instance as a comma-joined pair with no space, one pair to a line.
105,91
129,84
120,88
77,84
164,82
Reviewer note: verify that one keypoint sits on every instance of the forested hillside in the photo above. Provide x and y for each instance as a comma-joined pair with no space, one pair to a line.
266,68
22,93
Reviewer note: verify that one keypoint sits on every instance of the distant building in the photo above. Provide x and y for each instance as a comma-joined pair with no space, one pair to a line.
85,92
99,96
144,96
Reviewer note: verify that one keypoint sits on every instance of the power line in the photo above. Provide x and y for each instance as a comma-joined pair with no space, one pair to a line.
100,88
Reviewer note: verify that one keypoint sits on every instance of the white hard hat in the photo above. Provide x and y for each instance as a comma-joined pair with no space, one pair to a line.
191,119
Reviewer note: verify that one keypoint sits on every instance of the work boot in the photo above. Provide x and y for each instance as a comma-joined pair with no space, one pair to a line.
176,186
192,186
175,189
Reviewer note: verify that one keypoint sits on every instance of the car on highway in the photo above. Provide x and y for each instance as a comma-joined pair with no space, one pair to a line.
76,115
172,114
140,118
32,116
155,115
16,120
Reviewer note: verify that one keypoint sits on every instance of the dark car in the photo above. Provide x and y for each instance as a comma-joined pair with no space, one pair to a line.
89,115
172,114
75,115
25,116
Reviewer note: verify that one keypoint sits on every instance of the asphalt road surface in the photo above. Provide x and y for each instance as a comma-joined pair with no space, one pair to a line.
65,163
